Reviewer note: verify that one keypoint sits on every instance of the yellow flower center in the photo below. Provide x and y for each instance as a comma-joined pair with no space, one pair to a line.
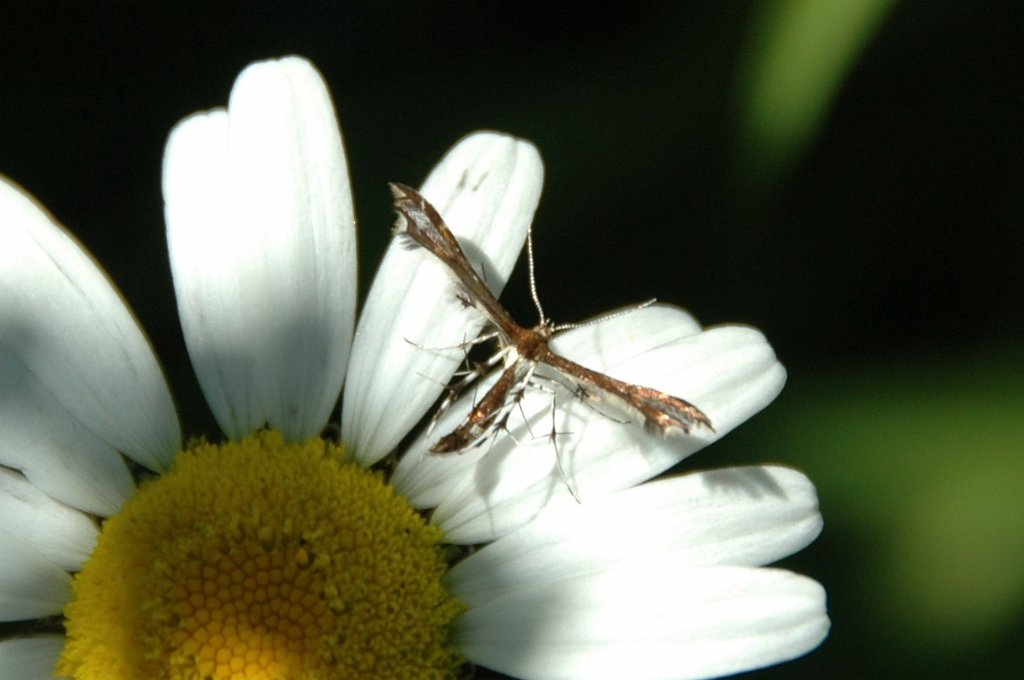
261,560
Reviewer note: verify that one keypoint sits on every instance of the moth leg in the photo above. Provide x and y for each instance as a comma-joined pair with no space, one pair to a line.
553,438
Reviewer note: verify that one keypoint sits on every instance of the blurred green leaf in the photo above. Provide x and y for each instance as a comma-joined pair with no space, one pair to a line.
920,463
798,53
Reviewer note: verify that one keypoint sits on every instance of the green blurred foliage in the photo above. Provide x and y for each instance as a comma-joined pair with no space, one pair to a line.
918,464
797,54
918,460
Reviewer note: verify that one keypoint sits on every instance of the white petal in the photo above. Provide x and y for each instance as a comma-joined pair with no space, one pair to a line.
486,188
261,233
736,516
729,372
80,381
33,658
652,620
31,586
57,532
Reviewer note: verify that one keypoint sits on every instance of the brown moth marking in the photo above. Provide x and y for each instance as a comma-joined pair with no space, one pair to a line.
522,349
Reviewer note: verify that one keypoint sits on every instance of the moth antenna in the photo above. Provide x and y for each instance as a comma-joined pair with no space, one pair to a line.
533,278
606,317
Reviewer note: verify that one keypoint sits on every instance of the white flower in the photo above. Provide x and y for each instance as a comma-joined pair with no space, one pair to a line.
658,579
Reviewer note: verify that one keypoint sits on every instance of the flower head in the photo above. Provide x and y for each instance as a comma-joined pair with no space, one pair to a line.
280,554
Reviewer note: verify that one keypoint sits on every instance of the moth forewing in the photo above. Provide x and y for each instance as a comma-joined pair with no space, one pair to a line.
658,410
421,222
484,417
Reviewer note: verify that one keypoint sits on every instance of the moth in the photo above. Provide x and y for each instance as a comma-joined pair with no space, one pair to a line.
522,350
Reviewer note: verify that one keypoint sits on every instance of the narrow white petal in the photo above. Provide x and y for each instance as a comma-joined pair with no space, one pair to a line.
261,233
406,346
80,381
736,516
31,586
33,658
56,531
729,372
651,620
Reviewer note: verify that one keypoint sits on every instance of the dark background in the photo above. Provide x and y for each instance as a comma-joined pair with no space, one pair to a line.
883,262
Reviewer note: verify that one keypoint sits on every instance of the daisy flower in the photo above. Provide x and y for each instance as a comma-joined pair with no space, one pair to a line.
127,555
